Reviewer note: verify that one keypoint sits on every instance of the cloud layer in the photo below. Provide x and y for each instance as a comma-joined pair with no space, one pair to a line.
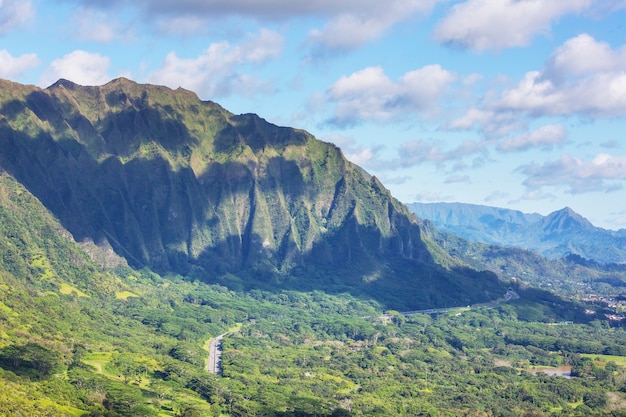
81,67
370,95
14,13
577,175
215,71
497,24
11,66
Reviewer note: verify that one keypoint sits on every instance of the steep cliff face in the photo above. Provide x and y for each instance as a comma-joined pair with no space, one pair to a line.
173,183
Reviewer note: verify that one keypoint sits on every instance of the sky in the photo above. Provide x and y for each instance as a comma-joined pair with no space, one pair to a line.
509,103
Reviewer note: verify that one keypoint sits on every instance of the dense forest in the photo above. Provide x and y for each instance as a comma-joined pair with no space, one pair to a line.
78,339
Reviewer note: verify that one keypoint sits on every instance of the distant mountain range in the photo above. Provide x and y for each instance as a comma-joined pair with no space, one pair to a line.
559,234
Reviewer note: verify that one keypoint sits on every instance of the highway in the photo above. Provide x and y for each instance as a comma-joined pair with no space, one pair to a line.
215,355
510,295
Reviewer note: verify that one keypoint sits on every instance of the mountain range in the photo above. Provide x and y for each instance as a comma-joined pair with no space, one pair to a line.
182,186
559,234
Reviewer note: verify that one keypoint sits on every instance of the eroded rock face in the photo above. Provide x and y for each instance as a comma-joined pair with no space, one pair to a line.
170,181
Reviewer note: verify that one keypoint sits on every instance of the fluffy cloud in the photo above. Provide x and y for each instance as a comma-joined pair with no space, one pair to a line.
497,24
94,25
14,13
370,95
214,72
11,67
581,56
545,137
419,152
583,77
577,175
355,26
493,123
352,22
81,67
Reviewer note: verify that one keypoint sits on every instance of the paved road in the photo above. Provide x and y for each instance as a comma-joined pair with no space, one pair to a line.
510,295
215,355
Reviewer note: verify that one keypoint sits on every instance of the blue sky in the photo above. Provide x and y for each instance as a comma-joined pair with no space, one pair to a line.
509,103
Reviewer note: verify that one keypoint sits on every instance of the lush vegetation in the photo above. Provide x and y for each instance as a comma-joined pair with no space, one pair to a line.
295,354
182,186
572,276
76,339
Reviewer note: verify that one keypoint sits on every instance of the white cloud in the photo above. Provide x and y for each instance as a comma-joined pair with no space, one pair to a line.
81,67
577,175
419,152
348,31
355,153
545,137
356,26
601,95
493,123
370,95
583,77
215,71
14,13
350,22
97,26
497,24
581,56
11,67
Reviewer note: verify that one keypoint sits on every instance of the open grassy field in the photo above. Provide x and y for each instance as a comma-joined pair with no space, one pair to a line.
619,360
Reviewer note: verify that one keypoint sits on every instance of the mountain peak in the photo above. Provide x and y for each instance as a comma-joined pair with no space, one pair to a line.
64,83
559,234
564,219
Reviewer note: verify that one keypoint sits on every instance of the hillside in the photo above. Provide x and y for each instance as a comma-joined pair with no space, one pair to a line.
80,340
183,186
559,234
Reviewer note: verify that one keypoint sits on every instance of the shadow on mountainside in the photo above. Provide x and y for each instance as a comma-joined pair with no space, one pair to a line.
237,222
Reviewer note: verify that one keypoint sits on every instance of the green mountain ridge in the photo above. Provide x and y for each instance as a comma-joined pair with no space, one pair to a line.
181,185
